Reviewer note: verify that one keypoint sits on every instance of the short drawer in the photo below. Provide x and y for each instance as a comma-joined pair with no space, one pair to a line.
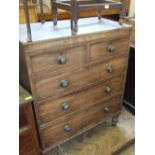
52,109
57,61
103,51
72,81
73,124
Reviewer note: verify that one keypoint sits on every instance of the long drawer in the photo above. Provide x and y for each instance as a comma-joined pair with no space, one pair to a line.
104,71
61,84
52,109
73,124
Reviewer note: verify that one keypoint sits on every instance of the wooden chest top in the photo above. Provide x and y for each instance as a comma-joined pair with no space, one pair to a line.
46,31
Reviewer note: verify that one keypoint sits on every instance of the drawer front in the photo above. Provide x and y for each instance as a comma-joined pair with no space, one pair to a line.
26,144
78,79
57,85
57,61
103,51
67,127
104,71
53,109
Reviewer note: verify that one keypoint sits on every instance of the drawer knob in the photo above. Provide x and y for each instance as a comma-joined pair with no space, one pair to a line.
109,69
108,89
67,128
64,83
111,48
62,59
65,106
106,109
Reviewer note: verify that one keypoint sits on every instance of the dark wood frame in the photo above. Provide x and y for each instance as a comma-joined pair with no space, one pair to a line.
76,7
29,128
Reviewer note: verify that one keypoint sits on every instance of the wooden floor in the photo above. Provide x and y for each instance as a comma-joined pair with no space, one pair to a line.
105,139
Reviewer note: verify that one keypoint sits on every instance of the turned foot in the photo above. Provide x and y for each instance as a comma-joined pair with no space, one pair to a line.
114,120
90,132
81,138
55,151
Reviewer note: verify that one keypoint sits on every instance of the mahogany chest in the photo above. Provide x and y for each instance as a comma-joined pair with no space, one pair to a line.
28,142
77,81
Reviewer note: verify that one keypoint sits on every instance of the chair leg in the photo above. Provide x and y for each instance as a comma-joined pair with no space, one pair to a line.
54,12
99,15
115,120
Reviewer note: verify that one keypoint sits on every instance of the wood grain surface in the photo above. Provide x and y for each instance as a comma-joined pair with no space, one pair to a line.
94,93
52,109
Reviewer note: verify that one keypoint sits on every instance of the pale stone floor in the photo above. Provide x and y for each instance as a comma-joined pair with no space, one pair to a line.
105,139
129,151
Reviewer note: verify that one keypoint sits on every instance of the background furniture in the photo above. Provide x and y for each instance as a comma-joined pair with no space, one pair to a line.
111,14
77,6
36,16
129,95
32,12
77,81
28,142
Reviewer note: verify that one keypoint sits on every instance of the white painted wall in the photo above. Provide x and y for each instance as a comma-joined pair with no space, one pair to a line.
132,8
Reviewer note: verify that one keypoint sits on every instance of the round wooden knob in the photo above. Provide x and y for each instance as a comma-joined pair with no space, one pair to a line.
64,83
65,106
106,109
67,128
62,59
111,48
107,89
109,69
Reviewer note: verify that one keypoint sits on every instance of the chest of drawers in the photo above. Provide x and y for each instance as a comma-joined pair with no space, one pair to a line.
77,81
28,141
